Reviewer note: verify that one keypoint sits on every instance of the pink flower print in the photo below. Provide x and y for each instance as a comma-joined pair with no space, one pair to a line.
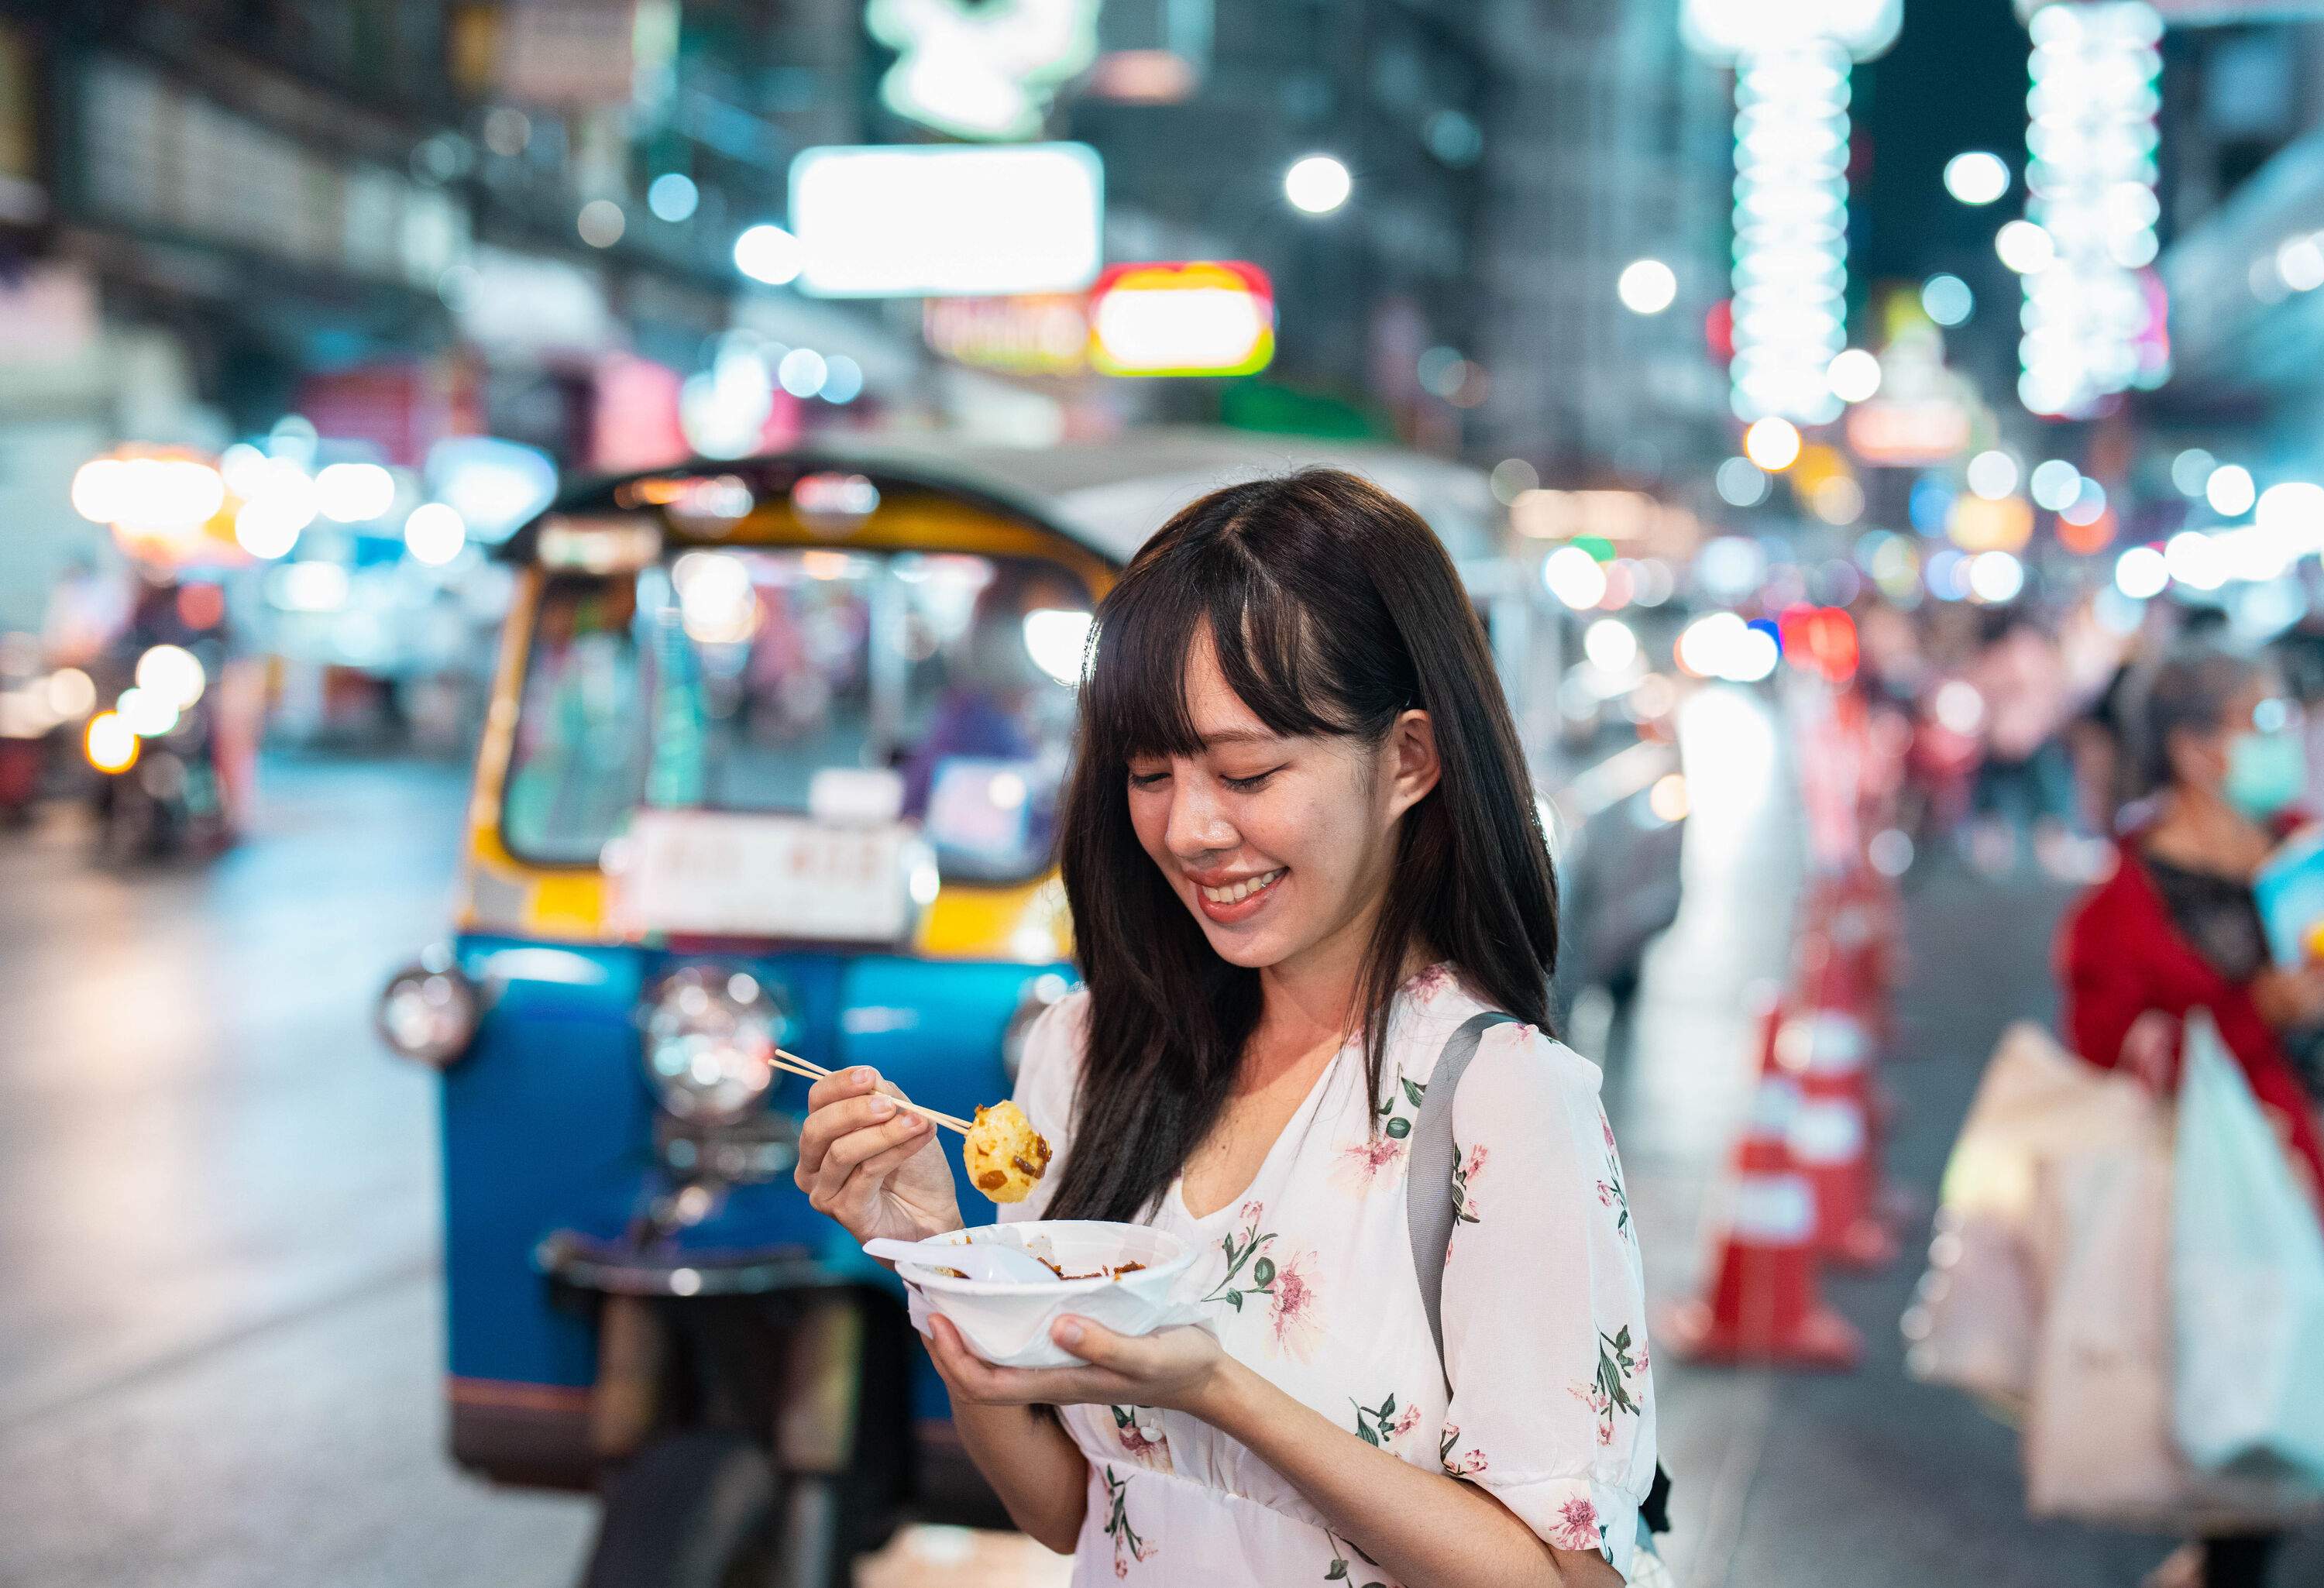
1607,1126
1406,1421
1252,1211
1294,1313
1431,983
1128,1545
1465,1210
1358,1167
1576,1526
1600,1404
1471,1463
1142,1439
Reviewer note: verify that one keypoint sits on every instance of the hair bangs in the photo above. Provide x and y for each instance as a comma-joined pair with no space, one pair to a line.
1136,686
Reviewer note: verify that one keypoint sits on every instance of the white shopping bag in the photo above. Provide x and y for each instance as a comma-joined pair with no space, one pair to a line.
2097,1444
2247,1279
1977,1314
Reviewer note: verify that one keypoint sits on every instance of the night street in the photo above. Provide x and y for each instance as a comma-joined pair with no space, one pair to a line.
223,1345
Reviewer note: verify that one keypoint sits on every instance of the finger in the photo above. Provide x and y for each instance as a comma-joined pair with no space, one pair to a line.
842,1085
966,1373
881,1164
835,1121
1095,1344
846,1158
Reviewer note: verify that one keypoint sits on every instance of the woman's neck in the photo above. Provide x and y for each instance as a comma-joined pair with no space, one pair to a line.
1312,999
2200,831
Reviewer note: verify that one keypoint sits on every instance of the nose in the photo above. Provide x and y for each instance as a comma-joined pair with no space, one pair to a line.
1198,824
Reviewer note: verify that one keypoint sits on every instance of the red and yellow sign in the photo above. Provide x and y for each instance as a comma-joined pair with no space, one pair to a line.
1197,318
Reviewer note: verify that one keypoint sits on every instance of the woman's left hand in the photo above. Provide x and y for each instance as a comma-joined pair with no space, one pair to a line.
1173,1370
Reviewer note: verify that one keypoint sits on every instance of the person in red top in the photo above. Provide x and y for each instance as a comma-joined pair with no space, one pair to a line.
2176,928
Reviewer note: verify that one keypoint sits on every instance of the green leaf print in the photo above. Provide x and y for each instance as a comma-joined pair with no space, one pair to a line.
1412,1089
1380,1424
1239,1251
1399,1127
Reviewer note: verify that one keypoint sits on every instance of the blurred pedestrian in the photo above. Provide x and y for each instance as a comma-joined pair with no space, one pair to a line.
2177,928
2024,795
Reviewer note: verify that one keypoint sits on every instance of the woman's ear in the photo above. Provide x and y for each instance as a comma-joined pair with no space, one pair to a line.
1413,767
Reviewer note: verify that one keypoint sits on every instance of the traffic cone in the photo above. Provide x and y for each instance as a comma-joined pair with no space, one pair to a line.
1763,1304
1826,1051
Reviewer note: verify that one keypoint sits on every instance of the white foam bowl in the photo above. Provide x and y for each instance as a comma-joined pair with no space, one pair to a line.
1008,1323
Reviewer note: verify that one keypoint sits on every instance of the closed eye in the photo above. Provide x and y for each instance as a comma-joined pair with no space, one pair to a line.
1252,783
1147,779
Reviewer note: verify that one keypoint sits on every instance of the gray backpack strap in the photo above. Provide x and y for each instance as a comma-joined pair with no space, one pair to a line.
1428,1167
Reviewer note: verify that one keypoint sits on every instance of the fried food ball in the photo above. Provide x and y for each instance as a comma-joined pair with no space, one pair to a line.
1004,1154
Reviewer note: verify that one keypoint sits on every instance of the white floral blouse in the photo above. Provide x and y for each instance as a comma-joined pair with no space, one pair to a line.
1309,1280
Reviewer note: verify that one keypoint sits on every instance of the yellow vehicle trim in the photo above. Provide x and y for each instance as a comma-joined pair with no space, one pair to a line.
499,892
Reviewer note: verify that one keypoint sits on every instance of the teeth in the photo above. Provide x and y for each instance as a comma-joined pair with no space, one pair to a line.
1236,891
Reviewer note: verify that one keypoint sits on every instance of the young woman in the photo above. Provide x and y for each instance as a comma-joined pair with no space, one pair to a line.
1301,850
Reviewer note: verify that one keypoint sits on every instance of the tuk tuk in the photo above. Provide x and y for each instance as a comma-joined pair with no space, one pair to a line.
772,760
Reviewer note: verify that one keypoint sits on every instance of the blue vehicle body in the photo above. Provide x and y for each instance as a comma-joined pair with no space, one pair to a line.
558,1048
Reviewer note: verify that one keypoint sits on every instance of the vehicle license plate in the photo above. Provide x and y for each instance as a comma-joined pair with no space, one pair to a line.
731,874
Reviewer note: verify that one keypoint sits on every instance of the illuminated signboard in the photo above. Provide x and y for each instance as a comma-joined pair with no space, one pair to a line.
1913,434
982,70
947,221
1201,318
1036,333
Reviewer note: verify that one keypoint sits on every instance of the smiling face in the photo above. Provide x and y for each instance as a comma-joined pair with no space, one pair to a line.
1281,846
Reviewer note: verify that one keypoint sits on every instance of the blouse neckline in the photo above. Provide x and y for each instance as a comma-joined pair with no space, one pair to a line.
1297,1125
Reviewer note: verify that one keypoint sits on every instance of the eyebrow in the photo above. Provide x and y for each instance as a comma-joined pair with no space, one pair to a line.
1240,736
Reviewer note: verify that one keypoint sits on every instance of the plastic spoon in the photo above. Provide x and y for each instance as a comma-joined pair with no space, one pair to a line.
989,1260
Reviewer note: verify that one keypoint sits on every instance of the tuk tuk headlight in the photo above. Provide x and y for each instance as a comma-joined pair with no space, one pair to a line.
710,1041
429,1010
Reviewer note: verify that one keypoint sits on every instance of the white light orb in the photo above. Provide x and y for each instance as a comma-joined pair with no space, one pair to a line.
2230,490
355,493
1976,177
1611,645
2141,573
1947,299
1317,184
1772,443
766,253
172,673
2025,247
1648,286
1741,482
2055,484
1995,577
1853,374
2190,471
1574,577
1992,474
435,533
803,372
2195,560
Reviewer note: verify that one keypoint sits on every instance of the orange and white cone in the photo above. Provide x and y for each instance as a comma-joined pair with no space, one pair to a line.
1827,1052
1762,1303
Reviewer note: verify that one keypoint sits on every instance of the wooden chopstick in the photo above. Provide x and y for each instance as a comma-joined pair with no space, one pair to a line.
796,1065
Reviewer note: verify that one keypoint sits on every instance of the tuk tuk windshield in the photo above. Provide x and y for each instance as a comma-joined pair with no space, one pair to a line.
728,680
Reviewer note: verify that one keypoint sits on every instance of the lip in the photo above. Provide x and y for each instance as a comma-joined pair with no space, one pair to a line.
1241,909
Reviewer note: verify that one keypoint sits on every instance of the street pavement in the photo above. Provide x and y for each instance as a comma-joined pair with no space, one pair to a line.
220,1341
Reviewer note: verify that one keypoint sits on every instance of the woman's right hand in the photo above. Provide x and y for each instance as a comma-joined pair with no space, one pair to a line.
877,1168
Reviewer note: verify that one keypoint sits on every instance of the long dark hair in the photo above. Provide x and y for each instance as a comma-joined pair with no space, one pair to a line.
1333,609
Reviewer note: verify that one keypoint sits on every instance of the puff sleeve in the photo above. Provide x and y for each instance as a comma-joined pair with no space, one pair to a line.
1553,1408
